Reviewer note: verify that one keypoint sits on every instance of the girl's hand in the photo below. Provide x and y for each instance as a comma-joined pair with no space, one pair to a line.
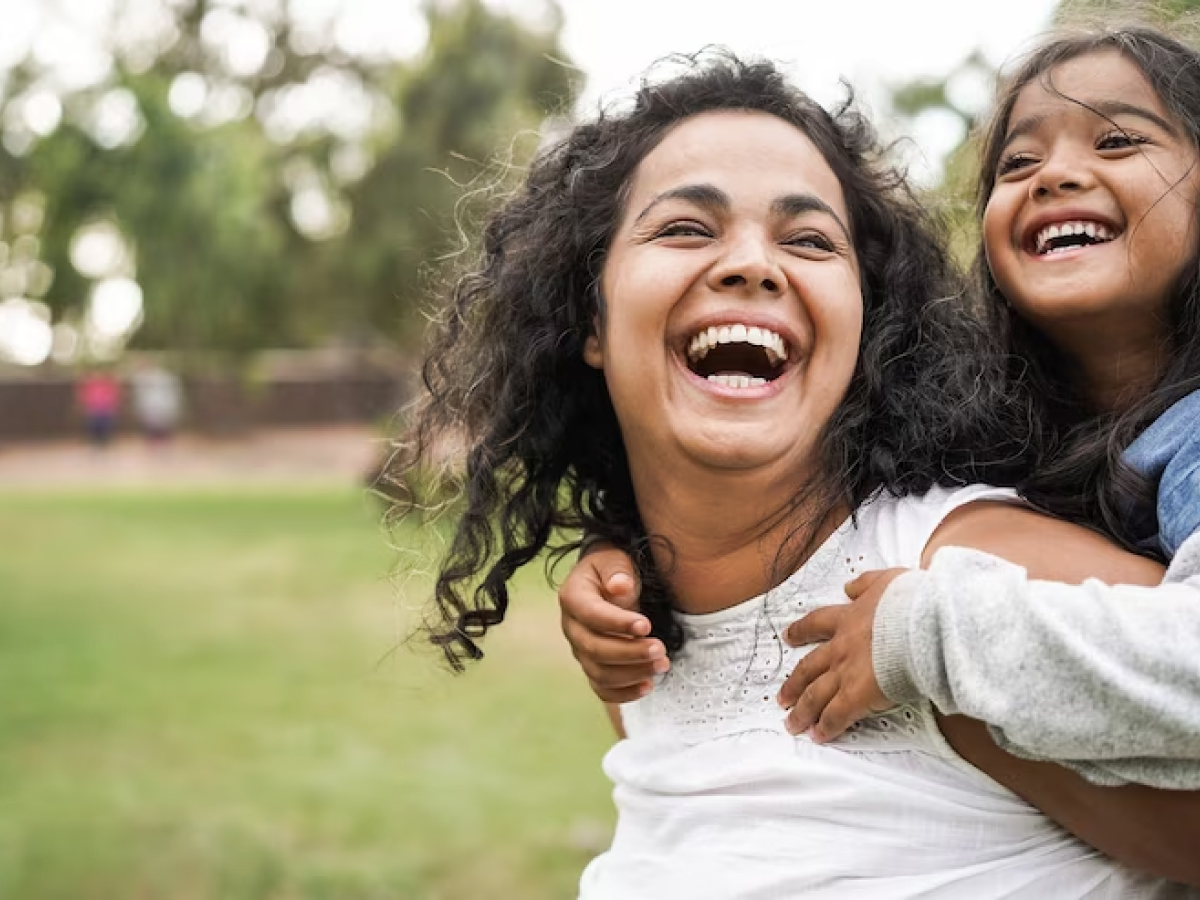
607,635
834,686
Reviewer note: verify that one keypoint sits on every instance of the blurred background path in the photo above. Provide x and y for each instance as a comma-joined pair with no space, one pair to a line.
329,455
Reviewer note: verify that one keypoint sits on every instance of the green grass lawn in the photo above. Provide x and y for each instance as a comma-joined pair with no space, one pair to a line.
206,695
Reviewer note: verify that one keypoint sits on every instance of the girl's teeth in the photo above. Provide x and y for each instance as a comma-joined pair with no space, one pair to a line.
1094,230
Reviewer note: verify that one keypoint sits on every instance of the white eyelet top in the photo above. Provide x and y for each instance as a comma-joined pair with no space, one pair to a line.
716,800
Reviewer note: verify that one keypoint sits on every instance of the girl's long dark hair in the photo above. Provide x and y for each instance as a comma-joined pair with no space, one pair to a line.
505,379
1078,473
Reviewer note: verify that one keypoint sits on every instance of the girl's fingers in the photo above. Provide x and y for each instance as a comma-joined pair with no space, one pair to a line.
609,649
601,592
811,704
818,625
619,683
863,583
806,672
591,609
839,714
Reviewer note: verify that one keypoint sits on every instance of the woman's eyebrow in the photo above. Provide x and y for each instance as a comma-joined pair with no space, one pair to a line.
703,195
798,204
711,197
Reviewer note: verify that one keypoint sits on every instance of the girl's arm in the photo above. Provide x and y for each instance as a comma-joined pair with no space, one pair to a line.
1146,828
607,635
1104,679
1155,830
1002,658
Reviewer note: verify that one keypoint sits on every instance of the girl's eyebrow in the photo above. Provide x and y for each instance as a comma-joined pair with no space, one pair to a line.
1106,109
1111,108
709,196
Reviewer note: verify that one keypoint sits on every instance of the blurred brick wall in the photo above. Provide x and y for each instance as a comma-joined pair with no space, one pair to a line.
43,407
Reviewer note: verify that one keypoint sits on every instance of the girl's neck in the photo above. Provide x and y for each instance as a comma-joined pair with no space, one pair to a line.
1116,368
723,545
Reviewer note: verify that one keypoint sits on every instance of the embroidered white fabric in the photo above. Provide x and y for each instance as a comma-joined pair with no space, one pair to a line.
716,800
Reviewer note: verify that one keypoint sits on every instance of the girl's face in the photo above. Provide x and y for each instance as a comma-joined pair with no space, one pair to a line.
733,310
1092,213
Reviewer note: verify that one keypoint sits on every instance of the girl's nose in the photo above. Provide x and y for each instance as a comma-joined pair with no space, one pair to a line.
749,265
1062,173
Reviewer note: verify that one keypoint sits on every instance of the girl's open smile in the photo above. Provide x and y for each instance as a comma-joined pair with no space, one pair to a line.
1091,215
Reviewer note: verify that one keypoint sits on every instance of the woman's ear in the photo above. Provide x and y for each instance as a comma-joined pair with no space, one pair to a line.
593,352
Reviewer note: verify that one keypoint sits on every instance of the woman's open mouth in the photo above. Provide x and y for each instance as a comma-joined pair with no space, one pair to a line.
737,355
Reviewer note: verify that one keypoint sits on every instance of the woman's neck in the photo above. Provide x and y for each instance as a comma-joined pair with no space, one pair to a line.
723,545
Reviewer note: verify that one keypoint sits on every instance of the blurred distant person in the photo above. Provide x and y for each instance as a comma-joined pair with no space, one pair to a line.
99,396
157,401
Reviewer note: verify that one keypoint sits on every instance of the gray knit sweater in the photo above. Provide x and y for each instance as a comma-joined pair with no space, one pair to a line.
1102,679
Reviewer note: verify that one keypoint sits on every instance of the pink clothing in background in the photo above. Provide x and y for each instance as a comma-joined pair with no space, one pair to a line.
99,394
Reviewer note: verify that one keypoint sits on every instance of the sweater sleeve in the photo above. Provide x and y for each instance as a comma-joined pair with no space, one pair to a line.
1102,679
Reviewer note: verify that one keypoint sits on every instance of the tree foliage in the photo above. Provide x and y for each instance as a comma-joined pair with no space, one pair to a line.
248,233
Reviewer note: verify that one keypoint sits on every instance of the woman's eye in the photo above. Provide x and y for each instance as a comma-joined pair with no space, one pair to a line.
811,240
1119,140
1014,163
683,229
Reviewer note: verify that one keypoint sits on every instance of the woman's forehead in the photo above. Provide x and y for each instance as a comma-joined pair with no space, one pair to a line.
746,152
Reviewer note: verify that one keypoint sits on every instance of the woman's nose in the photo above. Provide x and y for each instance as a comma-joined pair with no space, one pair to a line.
749,264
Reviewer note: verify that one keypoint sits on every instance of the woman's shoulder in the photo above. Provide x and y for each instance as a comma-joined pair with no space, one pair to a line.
901,526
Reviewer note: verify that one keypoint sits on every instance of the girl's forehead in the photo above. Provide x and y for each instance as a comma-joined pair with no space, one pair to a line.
1089,82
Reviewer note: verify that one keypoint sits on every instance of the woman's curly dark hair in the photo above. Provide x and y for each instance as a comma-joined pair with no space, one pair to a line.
544,461
1079,474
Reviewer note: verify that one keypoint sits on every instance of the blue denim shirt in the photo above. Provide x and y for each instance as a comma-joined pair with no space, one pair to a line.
1169,452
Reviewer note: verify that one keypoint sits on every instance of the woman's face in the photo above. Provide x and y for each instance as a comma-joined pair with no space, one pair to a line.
733,310
1092,214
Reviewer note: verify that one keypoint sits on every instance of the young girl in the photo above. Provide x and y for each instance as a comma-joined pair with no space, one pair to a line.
1090,264
711,330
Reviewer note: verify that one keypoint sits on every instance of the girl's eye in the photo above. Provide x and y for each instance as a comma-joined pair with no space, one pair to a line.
1014,163
686,228
1119,140
811,240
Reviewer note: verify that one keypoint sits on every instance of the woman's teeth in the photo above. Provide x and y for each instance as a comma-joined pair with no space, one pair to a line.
737,381
704,341
1068,235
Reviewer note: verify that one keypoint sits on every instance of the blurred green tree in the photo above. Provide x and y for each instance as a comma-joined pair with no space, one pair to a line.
247,224
1158,12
